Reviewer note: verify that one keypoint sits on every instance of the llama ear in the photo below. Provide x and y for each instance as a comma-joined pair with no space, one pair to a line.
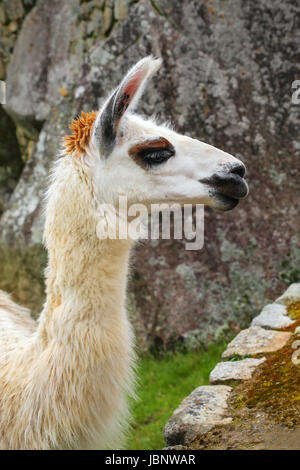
125,97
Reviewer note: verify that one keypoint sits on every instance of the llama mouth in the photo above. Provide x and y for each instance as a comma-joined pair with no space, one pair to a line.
231,185
224,202
226,189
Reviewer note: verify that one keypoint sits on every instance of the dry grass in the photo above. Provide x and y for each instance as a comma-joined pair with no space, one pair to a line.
22,275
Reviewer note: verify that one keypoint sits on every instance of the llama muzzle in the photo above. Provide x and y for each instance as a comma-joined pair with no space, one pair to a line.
228,186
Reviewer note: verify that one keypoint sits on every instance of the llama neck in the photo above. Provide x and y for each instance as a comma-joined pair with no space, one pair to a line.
86,277
86,284
81,357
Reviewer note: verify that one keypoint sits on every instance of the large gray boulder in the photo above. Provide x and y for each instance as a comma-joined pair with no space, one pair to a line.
273,316
205,408
226,79
256,340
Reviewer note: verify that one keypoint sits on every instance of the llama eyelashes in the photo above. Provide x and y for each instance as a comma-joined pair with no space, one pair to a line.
155,157
151,153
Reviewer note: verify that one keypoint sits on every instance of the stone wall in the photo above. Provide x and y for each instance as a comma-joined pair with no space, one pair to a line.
212,414
228,67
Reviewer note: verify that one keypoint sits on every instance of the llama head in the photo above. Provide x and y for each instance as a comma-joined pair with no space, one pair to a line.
129,155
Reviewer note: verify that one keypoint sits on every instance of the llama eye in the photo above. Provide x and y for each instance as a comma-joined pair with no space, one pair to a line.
155,156
152,152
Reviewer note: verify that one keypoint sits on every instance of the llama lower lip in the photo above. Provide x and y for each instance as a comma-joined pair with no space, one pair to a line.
223,202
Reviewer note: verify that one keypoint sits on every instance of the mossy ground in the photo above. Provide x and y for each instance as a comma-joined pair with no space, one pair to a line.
275,387
265,409
294,312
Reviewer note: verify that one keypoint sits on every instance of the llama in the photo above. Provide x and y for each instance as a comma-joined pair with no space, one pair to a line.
65,379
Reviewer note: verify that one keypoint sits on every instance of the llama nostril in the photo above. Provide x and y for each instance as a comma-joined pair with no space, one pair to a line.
238,169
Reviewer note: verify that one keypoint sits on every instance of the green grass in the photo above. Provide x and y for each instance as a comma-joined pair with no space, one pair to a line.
163,384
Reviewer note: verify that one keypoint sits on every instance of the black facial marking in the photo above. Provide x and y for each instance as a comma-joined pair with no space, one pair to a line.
109,122
107,134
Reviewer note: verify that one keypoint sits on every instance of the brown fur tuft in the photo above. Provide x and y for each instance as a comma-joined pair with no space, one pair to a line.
81,128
